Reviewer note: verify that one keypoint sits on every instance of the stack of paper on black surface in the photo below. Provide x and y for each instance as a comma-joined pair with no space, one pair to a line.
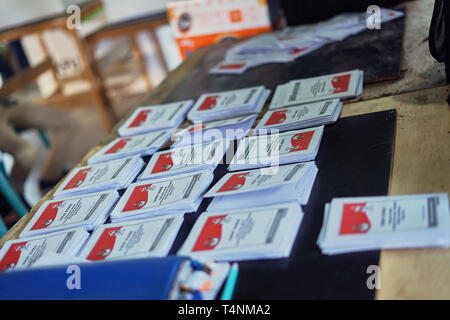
117,175
339,85
174,194
23,253
86,211
202,132
277,148
263,187
389,222
301,116
153,118
185,159
133,239
141,145
246,234
229,104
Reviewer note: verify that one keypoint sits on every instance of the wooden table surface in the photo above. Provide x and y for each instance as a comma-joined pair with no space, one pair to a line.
420,164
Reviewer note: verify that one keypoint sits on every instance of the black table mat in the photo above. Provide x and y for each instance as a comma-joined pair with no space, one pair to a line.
354,159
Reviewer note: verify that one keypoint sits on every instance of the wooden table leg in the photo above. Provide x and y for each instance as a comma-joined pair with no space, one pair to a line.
98,91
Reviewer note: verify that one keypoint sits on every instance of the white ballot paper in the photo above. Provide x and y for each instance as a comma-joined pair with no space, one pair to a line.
277,148
263,187
185,159
385,222
339,85
245,234
86,211
23,253
174,194
229,104
139,238
202,132
112,175
153,118
138,145
302,116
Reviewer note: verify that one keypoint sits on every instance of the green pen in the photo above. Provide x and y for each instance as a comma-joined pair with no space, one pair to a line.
228,290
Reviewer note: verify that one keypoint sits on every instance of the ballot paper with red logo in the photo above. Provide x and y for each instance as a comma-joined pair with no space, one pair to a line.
245,234
277,148
86,211
185,159
202,132
139,238
24,253
301,116
174,194
141,145
111,175
339,85
263,187
229,104
152,118
385,222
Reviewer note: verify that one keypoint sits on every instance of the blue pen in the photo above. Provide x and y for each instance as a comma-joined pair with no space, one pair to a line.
228,290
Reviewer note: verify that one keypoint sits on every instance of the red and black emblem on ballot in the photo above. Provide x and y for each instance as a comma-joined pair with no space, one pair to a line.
119,145
48,215
235,182
276,118
78,179
138,198
140,118
340,83
354,219
209,103
210,235
300,141
105,244
164,163
11,258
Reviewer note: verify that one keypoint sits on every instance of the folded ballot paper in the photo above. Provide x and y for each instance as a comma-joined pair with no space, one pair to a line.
262,187
202,132
339,85
133,239
174,194
245,234
301,116
141,145
185,159
24,253
277,148
153,118
86,211
112,175
389,222
229,104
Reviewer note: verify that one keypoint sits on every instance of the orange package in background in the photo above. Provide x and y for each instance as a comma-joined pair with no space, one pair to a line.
198,23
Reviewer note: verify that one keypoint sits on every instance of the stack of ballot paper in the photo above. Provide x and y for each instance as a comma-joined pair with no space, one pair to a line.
141,145
293,42
174,194
153,118
202,132
117,175
229,104
339,85
263,187
245,234
277,148
86,211
185,159
23,253
302,116
132,239
389,222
